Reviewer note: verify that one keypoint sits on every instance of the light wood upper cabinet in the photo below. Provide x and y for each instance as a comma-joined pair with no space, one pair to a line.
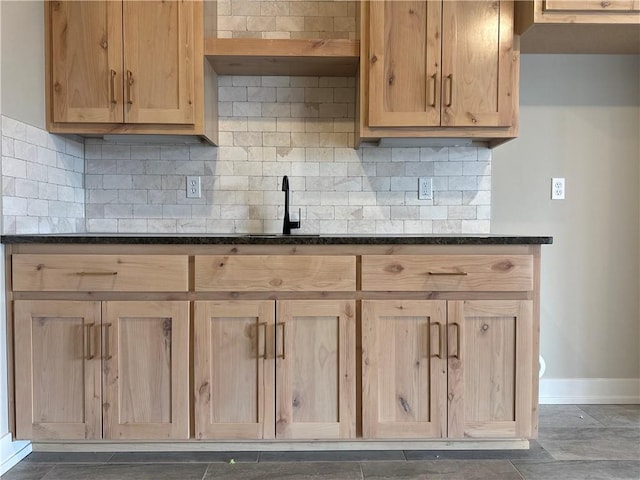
430,63
127,67
404,369
490,365
117,374
580,26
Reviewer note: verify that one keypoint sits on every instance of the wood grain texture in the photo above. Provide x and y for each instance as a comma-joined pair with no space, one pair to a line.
403,63
404,375
257,56
315,362
234,370
85,46
58,388
489,362
627,6
127,273
447,273
158,53
146,370
477,58
274,273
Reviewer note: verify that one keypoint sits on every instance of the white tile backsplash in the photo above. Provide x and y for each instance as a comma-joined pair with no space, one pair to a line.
302,127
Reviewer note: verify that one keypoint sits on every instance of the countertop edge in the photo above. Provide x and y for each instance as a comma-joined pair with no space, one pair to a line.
258,239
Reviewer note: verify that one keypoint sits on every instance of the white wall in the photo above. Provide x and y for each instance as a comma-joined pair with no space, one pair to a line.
579,119
23,61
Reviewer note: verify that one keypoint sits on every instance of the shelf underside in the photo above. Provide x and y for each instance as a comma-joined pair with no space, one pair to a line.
302,57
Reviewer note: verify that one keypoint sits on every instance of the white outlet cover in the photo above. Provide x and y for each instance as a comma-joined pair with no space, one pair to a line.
425,188
194,189
557,188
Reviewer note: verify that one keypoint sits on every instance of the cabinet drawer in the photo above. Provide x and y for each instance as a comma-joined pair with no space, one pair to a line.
100,273
487,273
275,273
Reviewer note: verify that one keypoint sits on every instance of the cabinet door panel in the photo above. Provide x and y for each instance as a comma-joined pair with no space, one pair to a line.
58,387
404,369
146,370
234,369
404,63
86,61
478,64
315,376
490,368
159,62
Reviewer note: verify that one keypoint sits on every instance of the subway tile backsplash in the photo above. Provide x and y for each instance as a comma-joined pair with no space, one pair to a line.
302,127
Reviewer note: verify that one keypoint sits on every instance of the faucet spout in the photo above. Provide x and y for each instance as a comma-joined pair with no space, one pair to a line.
287,224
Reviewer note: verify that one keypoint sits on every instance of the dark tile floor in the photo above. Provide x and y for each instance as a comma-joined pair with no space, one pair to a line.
599,442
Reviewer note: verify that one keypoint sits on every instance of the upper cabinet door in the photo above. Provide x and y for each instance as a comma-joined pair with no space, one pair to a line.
86,61
159,62
404,63
478,64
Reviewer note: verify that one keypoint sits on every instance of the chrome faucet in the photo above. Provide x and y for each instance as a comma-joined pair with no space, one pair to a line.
287,224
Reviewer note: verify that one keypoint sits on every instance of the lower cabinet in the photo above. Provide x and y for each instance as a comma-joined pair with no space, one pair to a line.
92,370
447,369
275,369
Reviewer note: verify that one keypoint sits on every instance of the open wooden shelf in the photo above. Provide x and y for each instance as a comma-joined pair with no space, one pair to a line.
306,57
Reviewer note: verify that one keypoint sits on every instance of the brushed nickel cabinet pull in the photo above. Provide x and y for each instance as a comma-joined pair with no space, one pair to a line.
107,348
283,342
450,81
435,86
448,274
112,87
129,84
440,340
457,354
96,274
89,341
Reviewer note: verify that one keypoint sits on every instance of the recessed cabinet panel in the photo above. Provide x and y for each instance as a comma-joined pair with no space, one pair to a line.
404,369
86,61
146,370
490,364
404,63
234,369
159,61
58,370
315,369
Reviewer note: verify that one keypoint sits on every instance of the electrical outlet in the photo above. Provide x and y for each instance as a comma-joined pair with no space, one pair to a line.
193,187
425,188
557,188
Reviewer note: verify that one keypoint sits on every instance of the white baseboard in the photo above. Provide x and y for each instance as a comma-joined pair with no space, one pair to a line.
589,390
12,452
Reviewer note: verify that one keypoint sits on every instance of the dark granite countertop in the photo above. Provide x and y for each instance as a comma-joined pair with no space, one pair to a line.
268,239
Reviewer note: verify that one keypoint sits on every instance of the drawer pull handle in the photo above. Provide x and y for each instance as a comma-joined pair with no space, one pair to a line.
448,274
129,85
89,341
450,81
440,340
282,356
96,274
262,355
112,86
434,79
457,354
107,339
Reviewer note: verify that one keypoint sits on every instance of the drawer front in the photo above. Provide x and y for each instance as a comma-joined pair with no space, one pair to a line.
275,273
486,273
100,273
